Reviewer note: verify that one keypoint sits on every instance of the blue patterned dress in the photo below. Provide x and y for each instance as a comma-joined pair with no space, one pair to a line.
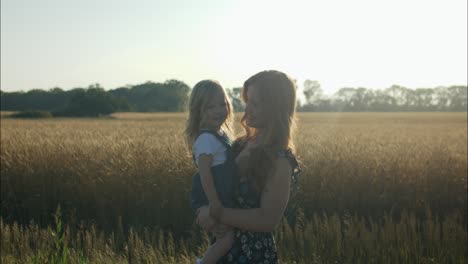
255,247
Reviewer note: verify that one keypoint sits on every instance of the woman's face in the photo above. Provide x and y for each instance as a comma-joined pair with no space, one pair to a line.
254,108
216,111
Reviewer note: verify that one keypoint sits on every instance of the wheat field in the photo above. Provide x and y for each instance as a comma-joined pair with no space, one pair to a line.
375,188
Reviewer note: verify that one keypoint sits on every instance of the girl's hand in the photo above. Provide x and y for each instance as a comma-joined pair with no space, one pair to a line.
204,219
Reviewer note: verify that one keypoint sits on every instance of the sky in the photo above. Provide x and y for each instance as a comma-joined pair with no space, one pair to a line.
340,43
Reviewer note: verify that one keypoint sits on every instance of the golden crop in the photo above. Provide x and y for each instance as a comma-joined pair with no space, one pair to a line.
133,170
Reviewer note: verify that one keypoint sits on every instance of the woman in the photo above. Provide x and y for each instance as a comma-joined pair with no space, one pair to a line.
266,164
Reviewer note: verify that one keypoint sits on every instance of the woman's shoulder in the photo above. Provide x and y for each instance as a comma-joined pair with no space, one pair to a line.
288,156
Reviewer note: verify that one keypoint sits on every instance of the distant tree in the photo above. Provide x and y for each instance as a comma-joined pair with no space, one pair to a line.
176,95
458,97
121,96
383,101
361,99
172,96
91,102
56,90
424,98
32,114
235,96
312,91
344,98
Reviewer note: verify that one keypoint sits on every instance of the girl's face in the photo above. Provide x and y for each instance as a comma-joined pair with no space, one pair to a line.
216,111
254,108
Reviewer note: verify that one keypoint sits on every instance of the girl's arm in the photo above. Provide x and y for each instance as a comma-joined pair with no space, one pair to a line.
272,205
206,177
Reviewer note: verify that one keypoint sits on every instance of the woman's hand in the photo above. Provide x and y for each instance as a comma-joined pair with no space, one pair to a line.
204,219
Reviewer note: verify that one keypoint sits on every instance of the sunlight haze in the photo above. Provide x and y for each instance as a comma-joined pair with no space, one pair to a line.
371,44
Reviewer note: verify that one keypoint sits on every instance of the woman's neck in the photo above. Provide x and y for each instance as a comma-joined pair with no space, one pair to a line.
259,137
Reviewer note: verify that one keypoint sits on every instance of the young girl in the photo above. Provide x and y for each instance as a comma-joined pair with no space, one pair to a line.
206,132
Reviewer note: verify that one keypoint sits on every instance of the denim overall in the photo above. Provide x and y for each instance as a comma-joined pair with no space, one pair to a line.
225,178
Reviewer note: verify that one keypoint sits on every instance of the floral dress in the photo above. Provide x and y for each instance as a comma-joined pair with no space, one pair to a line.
255,247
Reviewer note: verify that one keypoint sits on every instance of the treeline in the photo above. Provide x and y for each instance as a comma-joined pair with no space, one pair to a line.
170,96
394,98
173,95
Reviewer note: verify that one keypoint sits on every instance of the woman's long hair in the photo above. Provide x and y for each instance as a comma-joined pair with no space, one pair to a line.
277,92
202,94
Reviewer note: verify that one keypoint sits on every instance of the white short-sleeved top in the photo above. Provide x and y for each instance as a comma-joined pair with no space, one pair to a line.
207,143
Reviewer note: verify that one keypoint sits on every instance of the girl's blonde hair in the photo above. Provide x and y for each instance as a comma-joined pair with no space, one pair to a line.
277,93
202,94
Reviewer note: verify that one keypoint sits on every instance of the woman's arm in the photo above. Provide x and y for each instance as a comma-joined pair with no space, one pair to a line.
272,205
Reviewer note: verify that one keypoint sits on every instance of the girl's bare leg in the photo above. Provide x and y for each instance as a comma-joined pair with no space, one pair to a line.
224,241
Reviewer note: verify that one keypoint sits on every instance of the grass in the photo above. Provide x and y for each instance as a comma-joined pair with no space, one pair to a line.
376,188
